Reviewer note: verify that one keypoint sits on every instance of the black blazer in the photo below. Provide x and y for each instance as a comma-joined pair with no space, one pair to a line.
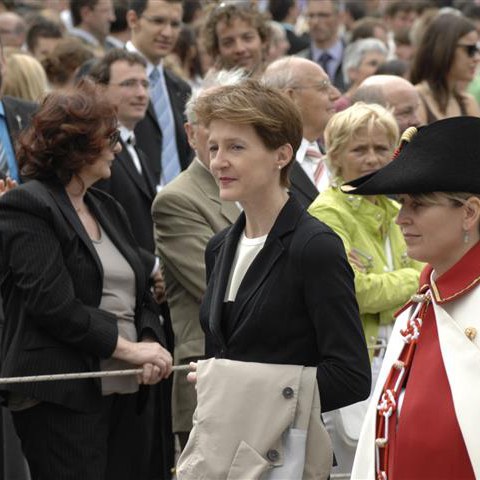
135,192
149,135
51,281
301,186
295,305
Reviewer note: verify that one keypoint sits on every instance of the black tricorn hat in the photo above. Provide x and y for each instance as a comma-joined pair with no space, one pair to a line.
442,157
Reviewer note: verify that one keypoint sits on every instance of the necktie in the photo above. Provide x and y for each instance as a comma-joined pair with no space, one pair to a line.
316,158
324,60
170,160
131,140
3,160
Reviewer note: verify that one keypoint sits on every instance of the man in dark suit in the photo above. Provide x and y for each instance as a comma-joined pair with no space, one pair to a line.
155,26
132,182
15,115
307,84
326,47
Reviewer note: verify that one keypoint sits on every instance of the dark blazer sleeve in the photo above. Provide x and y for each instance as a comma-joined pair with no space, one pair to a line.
344,370
32,260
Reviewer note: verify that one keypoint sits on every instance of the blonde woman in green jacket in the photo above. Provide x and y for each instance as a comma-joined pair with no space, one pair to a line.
360,140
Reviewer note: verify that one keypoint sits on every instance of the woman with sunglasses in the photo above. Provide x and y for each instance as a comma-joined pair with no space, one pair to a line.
422,422
444,64
76,297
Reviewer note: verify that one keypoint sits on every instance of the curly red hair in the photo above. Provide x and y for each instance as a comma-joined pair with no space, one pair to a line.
69,131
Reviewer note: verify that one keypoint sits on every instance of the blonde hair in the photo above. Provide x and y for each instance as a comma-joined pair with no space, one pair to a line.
345,125
25,78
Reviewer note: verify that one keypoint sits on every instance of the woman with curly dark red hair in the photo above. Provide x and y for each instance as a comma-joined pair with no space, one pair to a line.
76,296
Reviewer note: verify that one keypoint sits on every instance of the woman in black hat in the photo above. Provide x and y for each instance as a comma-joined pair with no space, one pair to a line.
424,416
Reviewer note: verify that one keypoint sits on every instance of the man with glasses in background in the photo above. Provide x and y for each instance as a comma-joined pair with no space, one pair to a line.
326,47
155,26
307,84
132,183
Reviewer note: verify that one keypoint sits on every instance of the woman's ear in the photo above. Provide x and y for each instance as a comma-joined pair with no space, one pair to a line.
471,213
284,155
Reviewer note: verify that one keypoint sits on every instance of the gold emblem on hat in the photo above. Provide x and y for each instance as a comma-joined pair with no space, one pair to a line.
471,333
408,134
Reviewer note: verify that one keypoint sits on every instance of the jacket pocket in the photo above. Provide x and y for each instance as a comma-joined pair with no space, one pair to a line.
247,463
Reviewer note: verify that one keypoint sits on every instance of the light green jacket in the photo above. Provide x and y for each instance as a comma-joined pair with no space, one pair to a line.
364,227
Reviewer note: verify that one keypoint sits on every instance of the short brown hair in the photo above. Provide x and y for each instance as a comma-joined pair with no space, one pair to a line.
228,12
273,116
64,60
69,131
101,70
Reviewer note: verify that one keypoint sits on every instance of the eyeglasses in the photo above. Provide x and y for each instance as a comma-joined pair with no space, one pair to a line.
470,50
132,83
163,21
113,138
322,86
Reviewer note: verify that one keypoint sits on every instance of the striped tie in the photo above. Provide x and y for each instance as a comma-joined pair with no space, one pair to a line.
3,160
316,158
170,161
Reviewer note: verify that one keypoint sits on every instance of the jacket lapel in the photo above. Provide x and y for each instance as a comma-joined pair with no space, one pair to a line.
61,198
220,275
105,220
126,162
263,263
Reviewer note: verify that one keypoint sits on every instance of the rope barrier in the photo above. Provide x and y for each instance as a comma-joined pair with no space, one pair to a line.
113,373
82,375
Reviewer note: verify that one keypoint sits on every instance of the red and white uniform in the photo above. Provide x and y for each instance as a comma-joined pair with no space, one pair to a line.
434,427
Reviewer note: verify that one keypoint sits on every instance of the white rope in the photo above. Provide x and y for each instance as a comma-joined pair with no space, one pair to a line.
77,376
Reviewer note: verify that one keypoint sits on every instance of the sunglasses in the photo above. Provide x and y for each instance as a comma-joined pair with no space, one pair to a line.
470,50
113,138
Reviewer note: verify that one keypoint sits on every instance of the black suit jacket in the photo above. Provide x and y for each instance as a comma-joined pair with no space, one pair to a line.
135,192
149,134
297,42
51,281
338,80
301,185
295,305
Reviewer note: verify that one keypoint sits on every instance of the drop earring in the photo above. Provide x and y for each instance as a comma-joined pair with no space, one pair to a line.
466,236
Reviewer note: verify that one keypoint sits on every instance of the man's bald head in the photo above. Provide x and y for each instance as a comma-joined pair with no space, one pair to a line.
397,93
13,29
307,84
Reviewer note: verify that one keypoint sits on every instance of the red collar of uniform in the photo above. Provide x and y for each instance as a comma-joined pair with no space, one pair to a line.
457,281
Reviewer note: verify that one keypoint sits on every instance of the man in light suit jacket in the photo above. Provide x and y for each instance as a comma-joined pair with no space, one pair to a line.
307,84
187,213
155,26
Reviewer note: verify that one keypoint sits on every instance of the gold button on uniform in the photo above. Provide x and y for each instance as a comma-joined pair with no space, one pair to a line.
471,332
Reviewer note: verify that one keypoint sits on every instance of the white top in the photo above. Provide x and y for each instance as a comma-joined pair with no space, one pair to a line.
247,250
